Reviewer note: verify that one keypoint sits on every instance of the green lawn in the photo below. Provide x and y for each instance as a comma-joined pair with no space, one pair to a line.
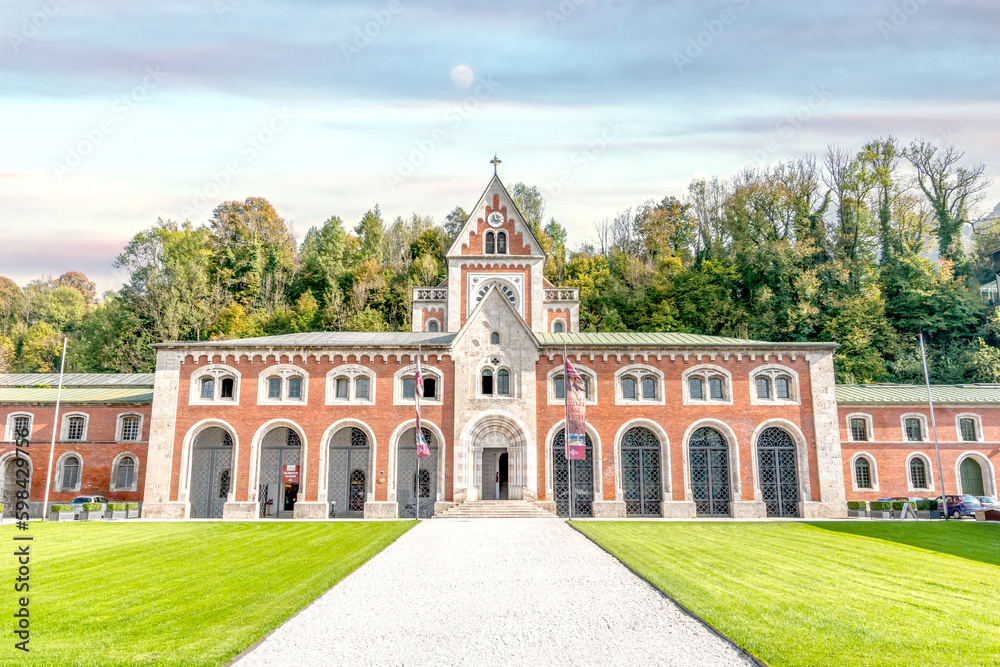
840,593
193,593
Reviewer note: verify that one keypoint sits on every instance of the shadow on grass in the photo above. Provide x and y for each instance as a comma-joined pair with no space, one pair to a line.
964,539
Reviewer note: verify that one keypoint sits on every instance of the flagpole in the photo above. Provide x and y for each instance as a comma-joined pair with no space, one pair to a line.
55,425
569,462
417,391
937,452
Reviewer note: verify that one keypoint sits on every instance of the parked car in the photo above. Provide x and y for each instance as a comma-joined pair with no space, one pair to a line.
959,506
80,500
989,503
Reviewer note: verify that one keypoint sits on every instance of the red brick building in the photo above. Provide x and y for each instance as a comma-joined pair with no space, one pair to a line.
887,440
100,445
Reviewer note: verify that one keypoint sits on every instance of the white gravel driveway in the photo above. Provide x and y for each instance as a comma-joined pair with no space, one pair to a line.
493,591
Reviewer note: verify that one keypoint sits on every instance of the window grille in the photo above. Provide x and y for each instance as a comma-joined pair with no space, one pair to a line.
913,430
859,429
130,428
863,473
22,427
968,427
295,389
75,430
224,478
918,473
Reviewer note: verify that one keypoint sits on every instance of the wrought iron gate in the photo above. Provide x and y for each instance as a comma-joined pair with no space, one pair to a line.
348,472
212,460
709,464
641,472
281,447
583,479
779,483
407,486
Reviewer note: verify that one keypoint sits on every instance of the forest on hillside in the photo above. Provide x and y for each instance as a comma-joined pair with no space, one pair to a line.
865,248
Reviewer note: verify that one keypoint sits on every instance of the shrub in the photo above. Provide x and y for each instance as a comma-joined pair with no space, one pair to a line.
132,506
117,507
898,505
62,508
880,505
927,505
92,507
857,504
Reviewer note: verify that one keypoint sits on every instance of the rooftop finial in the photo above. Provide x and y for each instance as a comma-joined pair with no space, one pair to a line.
495,161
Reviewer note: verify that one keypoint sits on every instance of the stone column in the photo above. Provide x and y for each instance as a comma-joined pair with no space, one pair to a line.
829,461
160,453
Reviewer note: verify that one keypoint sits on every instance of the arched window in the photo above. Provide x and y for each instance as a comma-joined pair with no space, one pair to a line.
430,387
778,474
432,326
501,243
274,387
503,382
559,386
126,473
490,243
649,387
863,473
70,473
708,461
918,473
361,387
763,388
628,387
557,326
75,429
697,388
641,472
208,389
715,388
130,428
343,388
227,388
295,388
494,338
487,382
781,388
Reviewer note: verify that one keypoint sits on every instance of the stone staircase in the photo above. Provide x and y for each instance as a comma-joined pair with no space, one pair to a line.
495,509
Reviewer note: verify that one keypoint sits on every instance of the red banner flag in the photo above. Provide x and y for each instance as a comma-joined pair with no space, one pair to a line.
418,393
576,432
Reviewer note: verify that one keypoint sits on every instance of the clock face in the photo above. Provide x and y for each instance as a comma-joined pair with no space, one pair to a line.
495,219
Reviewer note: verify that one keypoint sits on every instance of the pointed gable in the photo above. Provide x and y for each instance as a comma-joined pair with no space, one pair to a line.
520,240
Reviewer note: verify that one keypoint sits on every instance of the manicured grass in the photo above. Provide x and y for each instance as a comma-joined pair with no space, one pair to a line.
838,593
193,593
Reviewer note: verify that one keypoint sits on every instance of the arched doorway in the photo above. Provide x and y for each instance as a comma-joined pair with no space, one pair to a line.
16,477
583,479
211,472
972,477
278,475
779,480
641,472
411,491
708,454
348,472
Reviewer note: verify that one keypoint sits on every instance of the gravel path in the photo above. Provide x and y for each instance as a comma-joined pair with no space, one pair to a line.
493,591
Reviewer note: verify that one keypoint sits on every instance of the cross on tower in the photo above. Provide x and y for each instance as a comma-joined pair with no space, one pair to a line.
495,161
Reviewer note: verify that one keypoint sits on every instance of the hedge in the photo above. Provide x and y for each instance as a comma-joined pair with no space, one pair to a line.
117,507
133,506
898,505
880,505
62,508
857,504
927,505
92,507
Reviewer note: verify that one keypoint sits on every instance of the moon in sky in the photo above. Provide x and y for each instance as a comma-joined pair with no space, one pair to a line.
462,76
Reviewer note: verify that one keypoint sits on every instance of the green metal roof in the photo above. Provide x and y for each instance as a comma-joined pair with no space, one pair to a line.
660,339
77,379
916,394
77,395
331,339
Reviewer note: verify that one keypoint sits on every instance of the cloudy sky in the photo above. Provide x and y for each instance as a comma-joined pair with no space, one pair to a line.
115,113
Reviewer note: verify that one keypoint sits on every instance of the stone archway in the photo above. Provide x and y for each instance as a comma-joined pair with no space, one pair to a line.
491,438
